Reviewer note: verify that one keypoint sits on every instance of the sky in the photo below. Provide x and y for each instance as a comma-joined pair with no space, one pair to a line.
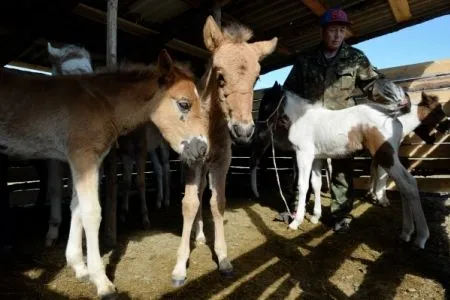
427,41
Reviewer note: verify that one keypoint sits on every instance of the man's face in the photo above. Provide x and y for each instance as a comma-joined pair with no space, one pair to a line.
333,35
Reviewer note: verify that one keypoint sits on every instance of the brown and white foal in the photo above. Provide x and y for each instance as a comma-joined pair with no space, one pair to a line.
77,118
320,133
67,60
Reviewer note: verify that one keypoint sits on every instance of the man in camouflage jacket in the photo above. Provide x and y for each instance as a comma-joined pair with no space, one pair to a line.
330,74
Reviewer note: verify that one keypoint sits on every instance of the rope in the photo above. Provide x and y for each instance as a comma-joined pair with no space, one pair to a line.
277,176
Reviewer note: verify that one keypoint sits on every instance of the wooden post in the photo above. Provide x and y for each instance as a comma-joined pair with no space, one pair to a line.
217,10
111,34
110,207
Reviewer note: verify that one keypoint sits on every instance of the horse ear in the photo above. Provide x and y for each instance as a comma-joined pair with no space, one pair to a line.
55,52
429,99
212,35
264,48
165,63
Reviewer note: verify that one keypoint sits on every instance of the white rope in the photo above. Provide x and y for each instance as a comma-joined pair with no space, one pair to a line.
276,173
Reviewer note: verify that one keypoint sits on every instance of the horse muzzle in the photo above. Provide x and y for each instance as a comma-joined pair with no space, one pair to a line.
193,150
241,132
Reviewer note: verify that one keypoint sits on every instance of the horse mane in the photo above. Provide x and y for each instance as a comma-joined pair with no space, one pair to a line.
237,33
140,70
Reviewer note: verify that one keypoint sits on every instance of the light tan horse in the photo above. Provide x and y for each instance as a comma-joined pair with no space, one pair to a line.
77,118
227,93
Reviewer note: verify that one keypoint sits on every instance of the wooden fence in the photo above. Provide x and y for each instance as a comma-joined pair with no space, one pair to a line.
430,164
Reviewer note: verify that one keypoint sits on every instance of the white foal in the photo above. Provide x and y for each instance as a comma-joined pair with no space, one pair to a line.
320,133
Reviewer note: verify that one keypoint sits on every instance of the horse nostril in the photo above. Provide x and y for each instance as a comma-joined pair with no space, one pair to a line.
250,131
237,130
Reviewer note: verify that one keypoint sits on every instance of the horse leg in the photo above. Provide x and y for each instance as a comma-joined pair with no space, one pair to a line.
380,187
110,211
259,147
373,181
294,185
127,165
190,205
217,177
165,161
316,183
54,193
85,172
411,205
304,161
157,168
200,238
74,250
141,159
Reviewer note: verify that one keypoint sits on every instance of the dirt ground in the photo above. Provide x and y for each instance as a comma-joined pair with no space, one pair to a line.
270,261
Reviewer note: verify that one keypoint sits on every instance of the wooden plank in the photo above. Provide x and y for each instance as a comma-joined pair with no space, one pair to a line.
430,83
99,16
315,6
412,138
429,68
400,10
425,151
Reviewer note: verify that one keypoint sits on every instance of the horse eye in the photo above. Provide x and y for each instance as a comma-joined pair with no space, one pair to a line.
184,106
221,80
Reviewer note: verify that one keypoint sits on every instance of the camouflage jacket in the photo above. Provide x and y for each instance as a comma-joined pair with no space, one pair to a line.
331,81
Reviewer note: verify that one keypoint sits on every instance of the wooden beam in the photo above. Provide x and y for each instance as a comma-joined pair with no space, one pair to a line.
111,35
400,9
124,25
111,159
217,10
315,6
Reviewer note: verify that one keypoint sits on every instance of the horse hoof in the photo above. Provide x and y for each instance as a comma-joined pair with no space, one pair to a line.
294,225
406,237
178,282
226,269
420,243
49,242
200,241
228,274
146,225
110,296
314,220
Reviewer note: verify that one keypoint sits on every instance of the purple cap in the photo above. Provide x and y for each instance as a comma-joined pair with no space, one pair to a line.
334,15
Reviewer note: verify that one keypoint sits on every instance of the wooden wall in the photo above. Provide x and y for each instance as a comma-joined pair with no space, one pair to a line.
429,163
